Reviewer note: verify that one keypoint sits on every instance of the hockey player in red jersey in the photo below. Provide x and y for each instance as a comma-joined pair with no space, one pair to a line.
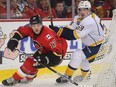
51,49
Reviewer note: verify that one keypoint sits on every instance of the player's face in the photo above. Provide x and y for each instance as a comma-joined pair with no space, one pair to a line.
44,3
83,12
36,28
13,3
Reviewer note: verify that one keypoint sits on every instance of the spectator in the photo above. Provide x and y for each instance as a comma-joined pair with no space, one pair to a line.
93,6
113,3
2,9
38,3
106,8
30,9
113,6
44,10
97,8
101,8
76,6
21,4
60,11
69,9
14,10
68,2
54,1
69,12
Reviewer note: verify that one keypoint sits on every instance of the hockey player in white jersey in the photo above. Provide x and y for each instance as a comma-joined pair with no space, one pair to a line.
87,27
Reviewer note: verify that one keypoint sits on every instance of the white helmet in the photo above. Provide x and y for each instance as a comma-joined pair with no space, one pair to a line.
84,4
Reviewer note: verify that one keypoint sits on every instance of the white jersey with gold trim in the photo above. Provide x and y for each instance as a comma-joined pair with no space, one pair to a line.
89,30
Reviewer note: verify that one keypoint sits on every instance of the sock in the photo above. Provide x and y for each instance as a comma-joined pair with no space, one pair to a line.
84,72
70,71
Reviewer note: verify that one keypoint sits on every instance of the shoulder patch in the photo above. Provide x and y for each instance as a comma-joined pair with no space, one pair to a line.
48,36
78,21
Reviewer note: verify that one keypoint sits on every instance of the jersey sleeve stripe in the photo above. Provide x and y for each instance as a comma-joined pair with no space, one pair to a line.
59,31
97,43
68,27
92,57
57,54
75,34
19,34
20,74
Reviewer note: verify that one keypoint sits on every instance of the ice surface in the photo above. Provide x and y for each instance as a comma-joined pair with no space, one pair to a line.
43,82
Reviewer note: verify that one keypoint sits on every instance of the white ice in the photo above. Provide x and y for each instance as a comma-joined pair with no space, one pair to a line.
43,82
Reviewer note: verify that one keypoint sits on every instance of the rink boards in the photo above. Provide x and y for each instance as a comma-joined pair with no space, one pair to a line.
8,67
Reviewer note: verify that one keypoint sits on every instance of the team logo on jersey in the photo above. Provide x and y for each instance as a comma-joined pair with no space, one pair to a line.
48,36
78,22
53,43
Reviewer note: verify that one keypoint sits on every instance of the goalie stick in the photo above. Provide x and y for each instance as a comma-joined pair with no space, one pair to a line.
71,81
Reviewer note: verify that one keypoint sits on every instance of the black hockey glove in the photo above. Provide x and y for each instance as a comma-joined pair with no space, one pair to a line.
56,29
12,44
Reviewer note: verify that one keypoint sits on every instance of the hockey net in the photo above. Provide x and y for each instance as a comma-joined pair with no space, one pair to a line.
103,69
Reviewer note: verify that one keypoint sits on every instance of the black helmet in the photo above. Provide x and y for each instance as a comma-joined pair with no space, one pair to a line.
35,20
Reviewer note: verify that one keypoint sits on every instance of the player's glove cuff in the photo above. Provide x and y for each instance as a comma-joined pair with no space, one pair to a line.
56,29
12,44
17,36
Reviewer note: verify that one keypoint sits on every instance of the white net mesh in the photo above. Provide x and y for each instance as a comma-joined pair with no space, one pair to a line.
103,70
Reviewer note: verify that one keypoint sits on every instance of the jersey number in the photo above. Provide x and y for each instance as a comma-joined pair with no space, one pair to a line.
80,28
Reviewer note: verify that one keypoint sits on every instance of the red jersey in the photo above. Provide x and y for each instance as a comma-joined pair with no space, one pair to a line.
2,11
29,12
45,14
106,8
46,41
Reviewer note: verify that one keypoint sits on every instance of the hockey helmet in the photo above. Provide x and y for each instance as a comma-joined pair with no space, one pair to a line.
35,20
84,4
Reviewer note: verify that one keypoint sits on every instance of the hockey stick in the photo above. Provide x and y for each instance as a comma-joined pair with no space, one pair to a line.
71,81
51,17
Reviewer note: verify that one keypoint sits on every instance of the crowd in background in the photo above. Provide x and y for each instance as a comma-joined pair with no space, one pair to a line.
60,8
